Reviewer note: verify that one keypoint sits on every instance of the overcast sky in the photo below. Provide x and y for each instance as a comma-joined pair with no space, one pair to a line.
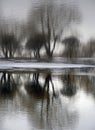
19,9
87,26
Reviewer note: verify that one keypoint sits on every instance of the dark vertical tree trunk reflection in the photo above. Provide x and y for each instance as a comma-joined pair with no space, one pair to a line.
7,83
48,81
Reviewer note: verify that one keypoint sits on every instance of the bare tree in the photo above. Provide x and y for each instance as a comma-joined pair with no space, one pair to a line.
35,44
11,28
51,20
8,44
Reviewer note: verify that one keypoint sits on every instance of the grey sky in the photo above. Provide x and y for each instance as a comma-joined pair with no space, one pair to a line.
87,8
15,8
19,9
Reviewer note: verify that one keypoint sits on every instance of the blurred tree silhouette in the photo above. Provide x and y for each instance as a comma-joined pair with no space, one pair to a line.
51,20
71,47
88,49
35,44
8,44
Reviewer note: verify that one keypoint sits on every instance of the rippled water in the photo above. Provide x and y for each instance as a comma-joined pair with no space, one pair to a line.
47,100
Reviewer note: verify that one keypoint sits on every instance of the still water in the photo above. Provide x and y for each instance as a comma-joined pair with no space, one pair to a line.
47,100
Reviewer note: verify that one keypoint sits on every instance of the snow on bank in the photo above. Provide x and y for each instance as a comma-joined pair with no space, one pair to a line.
40,65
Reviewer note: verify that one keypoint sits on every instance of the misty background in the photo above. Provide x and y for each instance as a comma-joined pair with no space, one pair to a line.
15,9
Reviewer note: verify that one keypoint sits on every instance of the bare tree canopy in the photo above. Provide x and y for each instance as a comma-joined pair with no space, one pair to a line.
8,44
51,20
35,43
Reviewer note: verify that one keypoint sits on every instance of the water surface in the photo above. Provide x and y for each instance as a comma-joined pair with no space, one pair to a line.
47,100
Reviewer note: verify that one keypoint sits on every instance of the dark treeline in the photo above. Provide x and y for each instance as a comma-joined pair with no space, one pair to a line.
43,32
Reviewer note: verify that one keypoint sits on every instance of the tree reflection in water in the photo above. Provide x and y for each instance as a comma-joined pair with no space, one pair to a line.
35,87
7,84
48,81
48,112
41,91
38,103
87,83
69,87
43,110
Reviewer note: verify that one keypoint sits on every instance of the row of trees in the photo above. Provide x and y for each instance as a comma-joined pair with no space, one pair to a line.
44,31
10,46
